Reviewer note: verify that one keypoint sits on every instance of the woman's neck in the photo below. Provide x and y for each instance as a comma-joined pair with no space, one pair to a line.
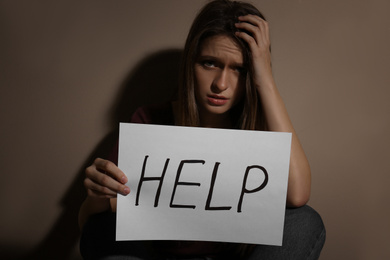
215,121
206,119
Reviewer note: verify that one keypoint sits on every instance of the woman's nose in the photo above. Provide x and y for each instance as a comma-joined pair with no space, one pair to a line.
221,82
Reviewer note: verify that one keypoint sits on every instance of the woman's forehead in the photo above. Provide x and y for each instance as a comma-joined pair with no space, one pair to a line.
221,46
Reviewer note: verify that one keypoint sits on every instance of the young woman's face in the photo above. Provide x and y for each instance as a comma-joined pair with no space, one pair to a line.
219,75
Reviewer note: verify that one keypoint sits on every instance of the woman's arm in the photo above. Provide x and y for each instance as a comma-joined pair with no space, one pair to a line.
277,118
103,181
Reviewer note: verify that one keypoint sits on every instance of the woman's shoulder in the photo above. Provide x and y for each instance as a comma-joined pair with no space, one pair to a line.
159,114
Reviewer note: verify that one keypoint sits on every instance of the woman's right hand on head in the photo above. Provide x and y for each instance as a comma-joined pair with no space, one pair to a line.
104,180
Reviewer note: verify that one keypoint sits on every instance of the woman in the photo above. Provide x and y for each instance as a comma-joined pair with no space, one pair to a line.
226,82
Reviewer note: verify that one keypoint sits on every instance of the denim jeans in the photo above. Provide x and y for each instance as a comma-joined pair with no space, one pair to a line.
303,238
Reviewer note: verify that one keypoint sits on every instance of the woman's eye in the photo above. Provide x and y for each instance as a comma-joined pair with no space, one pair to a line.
209,64
239,70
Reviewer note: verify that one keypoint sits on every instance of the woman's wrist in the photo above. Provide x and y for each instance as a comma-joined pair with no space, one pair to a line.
91,206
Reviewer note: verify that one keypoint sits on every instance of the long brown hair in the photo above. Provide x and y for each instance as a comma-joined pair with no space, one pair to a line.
218,18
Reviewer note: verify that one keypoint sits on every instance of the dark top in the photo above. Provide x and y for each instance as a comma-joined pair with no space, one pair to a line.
154,114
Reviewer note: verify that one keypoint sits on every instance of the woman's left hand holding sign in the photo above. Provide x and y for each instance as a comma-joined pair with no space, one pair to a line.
104,180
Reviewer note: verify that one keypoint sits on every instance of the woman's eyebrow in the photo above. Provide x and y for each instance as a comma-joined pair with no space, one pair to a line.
238,64
213,58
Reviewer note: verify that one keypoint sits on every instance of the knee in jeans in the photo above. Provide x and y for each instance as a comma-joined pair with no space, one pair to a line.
304,220
312,222
314,219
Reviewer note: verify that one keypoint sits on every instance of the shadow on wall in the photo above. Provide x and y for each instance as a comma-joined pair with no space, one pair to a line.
154,80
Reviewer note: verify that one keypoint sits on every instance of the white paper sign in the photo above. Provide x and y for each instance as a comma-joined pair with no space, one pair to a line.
205,184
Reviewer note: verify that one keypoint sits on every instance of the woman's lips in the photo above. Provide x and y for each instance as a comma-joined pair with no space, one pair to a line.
217,100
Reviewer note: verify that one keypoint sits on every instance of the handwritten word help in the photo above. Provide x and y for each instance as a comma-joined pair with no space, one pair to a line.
253,169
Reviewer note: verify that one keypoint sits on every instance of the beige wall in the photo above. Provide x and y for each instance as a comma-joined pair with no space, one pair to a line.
68,67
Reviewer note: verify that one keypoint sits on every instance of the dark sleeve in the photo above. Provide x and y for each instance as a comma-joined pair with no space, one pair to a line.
141,116
161,114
